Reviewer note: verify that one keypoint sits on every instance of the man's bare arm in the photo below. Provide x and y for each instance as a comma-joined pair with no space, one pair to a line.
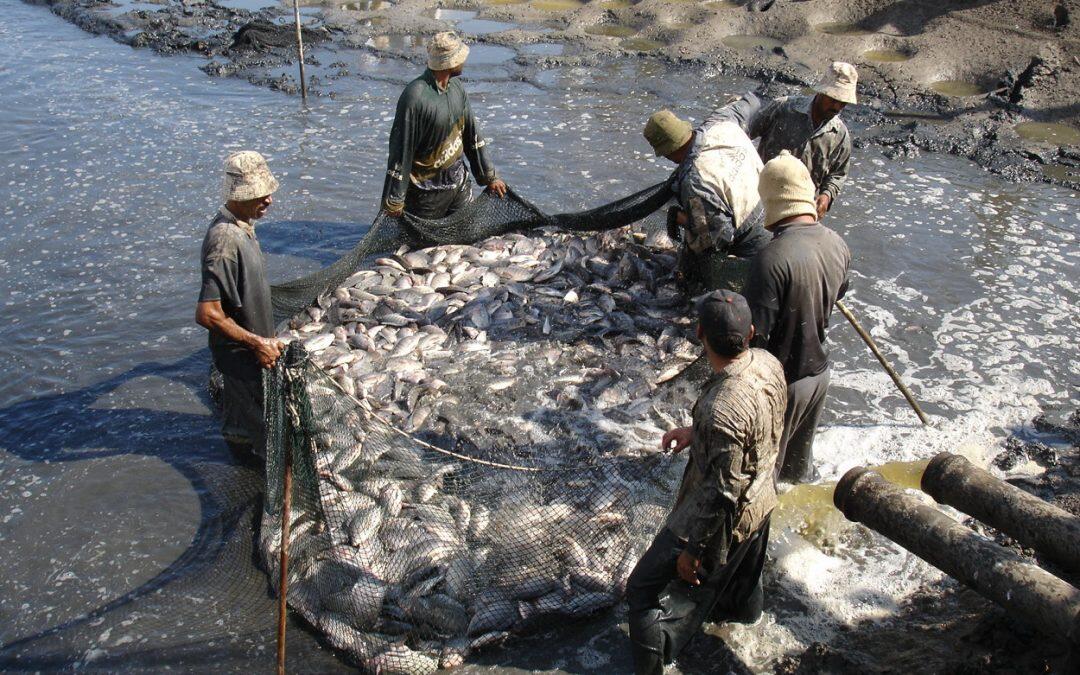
212,317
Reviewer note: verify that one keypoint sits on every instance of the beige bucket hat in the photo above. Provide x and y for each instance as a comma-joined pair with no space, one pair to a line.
247,177
666,133
446,51
839,82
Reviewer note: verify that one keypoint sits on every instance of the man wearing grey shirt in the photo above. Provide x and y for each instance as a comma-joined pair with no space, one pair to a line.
234,301
809,127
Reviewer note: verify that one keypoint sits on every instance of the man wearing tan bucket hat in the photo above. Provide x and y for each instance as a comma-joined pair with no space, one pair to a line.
810,128
234,302
792,287
434,132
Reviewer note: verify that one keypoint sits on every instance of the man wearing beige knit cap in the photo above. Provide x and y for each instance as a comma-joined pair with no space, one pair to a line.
434,132
234,302
792,287
809,127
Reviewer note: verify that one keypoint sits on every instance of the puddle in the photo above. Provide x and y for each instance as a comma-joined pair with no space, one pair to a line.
1070,174
1045,132
465,21
641,44
611,30
721,4
375,21
808,509
480,55
958,88
616,4
544,49
249,5
557,5
504,2
132,7
364,6
752,42
403,44
840,28
885,56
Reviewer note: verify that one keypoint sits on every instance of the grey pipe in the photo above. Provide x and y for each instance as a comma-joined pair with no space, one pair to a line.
997,573
1053,532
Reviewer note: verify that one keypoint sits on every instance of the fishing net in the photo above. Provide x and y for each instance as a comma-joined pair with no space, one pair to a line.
483,217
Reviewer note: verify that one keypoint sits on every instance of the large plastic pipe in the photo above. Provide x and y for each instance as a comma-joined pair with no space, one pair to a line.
1053,532
997,573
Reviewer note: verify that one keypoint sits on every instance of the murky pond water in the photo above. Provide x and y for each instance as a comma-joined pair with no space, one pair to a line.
115,480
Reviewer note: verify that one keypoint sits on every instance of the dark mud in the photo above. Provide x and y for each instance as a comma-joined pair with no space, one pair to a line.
898,110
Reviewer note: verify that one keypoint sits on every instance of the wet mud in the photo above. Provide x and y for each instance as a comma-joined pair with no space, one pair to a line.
963,78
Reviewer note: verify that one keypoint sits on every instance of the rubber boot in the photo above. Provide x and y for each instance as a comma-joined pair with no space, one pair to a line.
747,612
648,643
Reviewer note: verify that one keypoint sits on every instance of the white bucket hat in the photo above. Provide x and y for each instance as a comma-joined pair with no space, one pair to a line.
446,51
839,82
247,177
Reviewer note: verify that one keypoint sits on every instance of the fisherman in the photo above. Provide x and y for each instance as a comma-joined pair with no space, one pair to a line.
792,287
715,186
234,303
810,128
706,561
433,127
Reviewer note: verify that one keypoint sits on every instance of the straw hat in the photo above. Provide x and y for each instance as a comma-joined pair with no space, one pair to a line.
786,189
247,177
839,82
446,51
666,133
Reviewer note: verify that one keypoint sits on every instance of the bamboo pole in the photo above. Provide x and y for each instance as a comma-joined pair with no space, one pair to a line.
283,560
300,50
881,359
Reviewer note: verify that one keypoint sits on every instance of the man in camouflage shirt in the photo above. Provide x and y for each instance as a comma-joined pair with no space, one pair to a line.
706,562
434,132
810,128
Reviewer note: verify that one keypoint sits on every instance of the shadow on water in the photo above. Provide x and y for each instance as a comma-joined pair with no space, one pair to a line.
70,427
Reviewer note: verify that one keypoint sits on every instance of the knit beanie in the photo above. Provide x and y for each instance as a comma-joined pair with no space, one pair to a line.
786,189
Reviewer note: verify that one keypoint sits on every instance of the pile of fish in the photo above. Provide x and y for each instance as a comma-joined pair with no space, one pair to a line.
542,357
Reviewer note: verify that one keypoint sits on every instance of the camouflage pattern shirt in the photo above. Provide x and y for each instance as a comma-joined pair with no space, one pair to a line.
729,478
434,129
785,124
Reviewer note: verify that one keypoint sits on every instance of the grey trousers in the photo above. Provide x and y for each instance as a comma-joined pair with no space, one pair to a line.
242,422
436,204
806,401
666,612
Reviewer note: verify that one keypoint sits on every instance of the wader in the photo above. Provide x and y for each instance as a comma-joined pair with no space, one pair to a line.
806,401
436,204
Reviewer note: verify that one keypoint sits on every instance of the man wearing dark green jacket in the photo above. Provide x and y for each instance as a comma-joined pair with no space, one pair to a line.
434,131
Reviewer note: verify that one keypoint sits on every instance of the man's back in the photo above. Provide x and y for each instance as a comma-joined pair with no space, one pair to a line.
792,286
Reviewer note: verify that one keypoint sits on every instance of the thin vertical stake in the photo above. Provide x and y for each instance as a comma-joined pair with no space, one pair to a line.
283,561
300,49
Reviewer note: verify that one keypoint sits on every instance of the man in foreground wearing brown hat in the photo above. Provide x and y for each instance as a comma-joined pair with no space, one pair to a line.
706,562
234,303
715,185
792,287
809,128
433,129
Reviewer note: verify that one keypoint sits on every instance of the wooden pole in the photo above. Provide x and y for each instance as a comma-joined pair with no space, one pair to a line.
300,50
283,560
881,359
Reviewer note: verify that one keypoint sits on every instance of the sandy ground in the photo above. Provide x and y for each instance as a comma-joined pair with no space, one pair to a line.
1005,62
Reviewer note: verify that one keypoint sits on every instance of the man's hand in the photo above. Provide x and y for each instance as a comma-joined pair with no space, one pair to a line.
682,437
824,201
681,218
687,566
498,187
267,351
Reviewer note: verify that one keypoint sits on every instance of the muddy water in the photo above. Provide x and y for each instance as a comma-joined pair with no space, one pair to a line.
112,469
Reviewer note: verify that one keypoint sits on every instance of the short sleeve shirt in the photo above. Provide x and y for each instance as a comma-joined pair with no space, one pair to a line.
233,272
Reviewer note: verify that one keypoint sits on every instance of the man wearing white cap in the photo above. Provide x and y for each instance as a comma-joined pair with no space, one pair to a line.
810,129
792,287
434,131
234,303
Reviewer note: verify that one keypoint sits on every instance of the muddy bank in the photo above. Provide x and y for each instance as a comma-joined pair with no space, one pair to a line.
991,82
